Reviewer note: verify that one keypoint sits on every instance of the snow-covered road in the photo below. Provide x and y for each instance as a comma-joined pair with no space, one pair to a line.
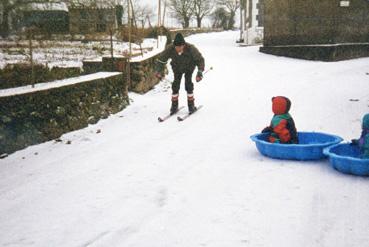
201,182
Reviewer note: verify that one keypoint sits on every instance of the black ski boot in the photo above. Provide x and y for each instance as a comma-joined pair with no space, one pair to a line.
191,104
174,107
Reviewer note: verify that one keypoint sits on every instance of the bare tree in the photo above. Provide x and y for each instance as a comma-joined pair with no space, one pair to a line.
220,18
201,9
144,13
232,6
183,10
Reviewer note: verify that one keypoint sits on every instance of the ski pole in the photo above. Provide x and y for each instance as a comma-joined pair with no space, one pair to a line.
205,72
211,68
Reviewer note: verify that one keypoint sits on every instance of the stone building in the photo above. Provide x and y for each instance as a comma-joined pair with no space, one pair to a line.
87,16
51,17
326,30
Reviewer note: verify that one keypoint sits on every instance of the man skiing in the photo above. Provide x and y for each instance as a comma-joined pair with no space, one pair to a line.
185,57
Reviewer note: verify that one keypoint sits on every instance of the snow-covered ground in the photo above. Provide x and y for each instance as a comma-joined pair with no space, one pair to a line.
201,182
68,53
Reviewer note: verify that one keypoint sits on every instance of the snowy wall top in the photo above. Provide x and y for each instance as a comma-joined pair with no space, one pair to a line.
44,7
55,84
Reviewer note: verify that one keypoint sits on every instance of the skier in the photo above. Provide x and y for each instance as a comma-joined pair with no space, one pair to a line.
363,141
185,57
282,127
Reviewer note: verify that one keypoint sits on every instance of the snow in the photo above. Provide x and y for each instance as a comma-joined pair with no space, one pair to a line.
73,53
44,6
200,182
158,46
56,84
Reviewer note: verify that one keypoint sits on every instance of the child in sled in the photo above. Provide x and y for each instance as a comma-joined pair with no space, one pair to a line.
363,141
282,127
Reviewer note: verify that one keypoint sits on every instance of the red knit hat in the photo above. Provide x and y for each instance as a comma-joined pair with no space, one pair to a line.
280,105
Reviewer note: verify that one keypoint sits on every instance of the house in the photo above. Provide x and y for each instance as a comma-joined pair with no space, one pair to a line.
252,18
51,17
86,16
319,30
61,16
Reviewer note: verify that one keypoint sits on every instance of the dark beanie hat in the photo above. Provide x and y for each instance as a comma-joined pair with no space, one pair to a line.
179,40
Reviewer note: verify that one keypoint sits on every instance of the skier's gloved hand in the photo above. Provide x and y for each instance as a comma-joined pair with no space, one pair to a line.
267,130
199,76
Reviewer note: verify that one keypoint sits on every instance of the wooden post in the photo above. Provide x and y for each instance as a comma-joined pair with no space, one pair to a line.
159,19
133,16
111,49
130,44
164,12
241,20
30,36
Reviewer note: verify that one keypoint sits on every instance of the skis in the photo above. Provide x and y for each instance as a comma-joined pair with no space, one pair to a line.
162,119
179,118
182,118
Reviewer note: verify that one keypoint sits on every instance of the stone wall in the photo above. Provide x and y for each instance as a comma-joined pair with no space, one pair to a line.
17,75
142,72
35,117
321,53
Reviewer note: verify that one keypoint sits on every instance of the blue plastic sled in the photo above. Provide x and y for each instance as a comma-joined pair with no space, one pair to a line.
310,147
346,158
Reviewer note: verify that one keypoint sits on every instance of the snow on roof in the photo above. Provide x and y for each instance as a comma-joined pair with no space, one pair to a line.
50,6
56,84
100,4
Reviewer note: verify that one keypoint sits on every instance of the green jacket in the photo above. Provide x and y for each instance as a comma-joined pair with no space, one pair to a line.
186,62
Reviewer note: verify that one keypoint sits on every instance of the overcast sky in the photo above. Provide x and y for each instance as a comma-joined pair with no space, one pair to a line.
153,3
169,21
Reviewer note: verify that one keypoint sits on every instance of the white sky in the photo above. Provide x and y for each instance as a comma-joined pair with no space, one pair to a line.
169,21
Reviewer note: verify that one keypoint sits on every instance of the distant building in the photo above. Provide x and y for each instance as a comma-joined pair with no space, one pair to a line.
47,16
63,16
87,16
319,30
252,26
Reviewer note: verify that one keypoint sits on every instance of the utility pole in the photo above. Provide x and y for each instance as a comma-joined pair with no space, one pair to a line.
30,36
159,13
133,17
164,12
241,20
248,18
130,44
159,20
111,48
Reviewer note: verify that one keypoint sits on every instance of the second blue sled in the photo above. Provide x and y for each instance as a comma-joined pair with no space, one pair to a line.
346,158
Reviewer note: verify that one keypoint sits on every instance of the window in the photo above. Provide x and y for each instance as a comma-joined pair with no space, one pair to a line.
100,27
83,14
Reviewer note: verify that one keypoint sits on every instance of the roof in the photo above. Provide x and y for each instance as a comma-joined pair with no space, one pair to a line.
49,6
99,4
